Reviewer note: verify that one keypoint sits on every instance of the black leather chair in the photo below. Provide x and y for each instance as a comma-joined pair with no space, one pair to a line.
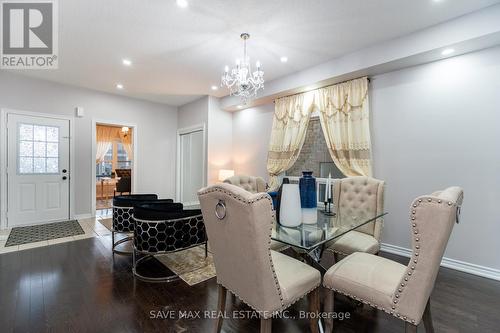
164,228
124,184
123,221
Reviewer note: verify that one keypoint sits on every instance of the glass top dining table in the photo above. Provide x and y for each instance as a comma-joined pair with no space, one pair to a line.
327,228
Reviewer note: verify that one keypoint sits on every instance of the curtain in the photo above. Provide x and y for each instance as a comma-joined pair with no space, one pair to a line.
345,121
126,139
290,121
105,136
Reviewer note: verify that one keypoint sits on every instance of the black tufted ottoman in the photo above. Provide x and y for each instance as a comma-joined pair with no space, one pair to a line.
162,228
123,222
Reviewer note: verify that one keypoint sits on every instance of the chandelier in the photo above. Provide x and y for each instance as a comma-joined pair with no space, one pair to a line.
240,80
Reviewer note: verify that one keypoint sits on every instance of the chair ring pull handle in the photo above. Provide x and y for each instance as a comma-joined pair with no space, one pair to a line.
221,206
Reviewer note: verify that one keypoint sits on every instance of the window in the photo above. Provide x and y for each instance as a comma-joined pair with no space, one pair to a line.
123,162
38,151
315,157
115,158
104,168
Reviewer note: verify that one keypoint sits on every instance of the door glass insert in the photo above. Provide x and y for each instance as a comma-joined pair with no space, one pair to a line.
38,149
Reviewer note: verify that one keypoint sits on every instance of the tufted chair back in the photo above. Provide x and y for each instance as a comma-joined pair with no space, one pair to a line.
360,197
432,218
248,183
240,239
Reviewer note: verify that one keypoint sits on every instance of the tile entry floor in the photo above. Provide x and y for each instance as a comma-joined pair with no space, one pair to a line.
91,226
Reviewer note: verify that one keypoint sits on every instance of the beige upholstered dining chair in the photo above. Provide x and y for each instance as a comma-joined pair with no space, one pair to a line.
254,185
402,291
358,198
249,183
238,225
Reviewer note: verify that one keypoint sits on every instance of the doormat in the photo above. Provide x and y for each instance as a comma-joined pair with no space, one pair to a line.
43,232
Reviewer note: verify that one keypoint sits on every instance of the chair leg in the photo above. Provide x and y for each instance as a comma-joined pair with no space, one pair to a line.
329,308
221,307
266,325
314,307
410,328
428,318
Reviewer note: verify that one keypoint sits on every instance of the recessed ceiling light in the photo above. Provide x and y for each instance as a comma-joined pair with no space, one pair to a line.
284,59
127,62
447,51
119,86
240,106
182,3
215,87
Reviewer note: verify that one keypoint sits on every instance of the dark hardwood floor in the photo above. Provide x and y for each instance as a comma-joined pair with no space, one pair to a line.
77,287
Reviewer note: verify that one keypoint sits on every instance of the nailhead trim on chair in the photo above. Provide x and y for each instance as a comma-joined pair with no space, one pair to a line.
259,197
408,273
361,300
414,259
283,307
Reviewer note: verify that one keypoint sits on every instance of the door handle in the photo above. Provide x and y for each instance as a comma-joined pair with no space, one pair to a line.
64,177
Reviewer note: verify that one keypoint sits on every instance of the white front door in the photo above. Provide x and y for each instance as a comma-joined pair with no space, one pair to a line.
37,169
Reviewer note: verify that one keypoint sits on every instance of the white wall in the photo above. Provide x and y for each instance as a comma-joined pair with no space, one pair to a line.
156,130
251,135
439,125
220,140
193,113
433,126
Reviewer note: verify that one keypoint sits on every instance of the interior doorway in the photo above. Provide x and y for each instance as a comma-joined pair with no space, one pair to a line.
114,149
191,166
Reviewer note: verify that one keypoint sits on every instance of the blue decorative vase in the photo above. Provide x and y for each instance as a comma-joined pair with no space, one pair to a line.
307,185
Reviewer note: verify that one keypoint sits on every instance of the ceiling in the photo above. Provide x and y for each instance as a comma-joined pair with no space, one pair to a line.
179,53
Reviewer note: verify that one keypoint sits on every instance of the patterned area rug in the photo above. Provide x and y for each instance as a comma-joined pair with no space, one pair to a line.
107,222
43,232
191,264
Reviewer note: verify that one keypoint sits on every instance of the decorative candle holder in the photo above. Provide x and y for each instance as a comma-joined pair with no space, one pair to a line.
328,208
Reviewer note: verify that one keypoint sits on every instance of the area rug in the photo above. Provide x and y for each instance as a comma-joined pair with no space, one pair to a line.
191,264
43,232
107,222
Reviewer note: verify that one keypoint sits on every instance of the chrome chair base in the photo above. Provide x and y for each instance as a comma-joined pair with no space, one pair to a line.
136,262
129,238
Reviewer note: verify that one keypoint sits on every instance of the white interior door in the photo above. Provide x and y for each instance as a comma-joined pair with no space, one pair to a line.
191,166
37,169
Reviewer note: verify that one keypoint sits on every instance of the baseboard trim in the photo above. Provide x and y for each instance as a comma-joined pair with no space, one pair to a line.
462,266
82,216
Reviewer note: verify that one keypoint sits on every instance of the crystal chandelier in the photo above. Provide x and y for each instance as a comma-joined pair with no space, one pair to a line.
240,80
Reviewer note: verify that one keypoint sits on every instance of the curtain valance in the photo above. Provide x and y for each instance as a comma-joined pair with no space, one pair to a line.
343,97
344,116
